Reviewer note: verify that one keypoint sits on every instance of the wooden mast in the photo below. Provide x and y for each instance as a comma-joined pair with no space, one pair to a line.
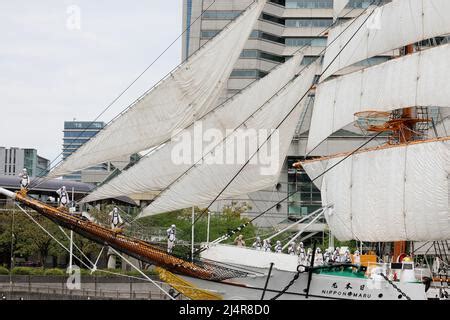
405,136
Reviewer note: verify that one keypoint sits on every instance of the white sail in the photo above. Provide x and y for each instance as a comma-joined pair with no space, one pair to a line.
419,79
389,27
389,193
184,96
157,170
338,6
202,184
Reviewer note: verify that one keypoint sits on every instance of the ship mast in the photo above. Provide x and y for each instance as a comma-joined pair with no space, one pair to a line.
405,135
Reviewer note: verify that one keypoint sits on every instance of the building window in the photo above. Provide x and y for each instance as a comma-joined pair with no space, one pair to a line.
306,41
309,23
209,33
221,15
307,198
257,54
308,60
271,18
309,4
248,73
279,2
188,27
257,34
81,134
362,4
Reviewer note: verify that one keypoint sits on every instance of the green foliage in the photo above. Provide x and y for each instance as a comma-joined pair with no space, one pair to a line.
27,271
3,271
54,272
133,273
30,241
220,224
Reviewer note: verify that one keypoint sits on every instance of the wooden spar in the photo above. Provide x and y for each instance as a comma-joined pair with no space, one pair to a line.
387,146
133,247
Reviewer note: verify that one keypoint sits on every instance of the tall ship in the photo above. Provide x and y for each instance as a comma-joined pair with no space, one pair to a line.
396,192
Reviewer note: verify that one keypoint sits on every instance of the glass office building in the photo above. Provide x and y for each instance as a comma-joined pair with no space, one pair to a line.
77,133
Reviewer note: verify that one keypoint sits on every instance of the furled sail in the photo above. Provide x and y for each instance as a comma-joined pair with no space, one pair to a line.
368,36
204,182
389,193
419,79
182,97
156,171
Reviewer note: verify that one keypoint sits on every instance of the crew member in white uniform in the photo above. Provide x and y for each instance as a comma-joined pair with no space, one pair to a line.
266,245
291,249
346,258
171,238
309,256
63,197
257,244
116,219
318,258
327,256
336,255
357,258
278,247
301,254
24,180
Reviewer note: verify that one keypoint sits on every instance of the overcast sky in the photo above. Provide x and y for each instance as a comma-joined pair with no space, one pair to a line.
56,67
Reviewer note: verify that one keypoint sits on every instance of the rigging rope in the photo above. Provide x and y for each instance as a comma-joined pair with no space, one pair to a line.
229,234
42,175
75,256
249,85
282,121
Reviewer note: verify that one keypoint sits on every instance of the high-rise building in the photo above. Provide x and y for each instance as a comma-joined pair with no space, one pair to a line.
13,160
77,133
284,27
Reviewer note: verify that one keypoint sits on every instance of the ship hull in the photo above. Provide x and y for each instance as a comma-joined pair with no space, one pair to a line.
332,285
322,287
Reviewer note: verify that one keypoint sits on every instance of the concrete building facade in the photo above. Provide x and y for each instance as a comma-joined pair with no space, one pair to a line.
284,27
13,160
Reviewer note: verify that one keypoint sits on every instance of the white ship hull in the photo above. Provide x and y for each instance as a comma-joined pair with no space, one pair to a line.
322,286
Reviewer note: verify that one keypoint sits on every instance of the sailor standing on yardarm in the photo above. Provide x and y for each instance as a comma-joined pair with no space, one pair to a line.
116,219
171,238
24,180
63,197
